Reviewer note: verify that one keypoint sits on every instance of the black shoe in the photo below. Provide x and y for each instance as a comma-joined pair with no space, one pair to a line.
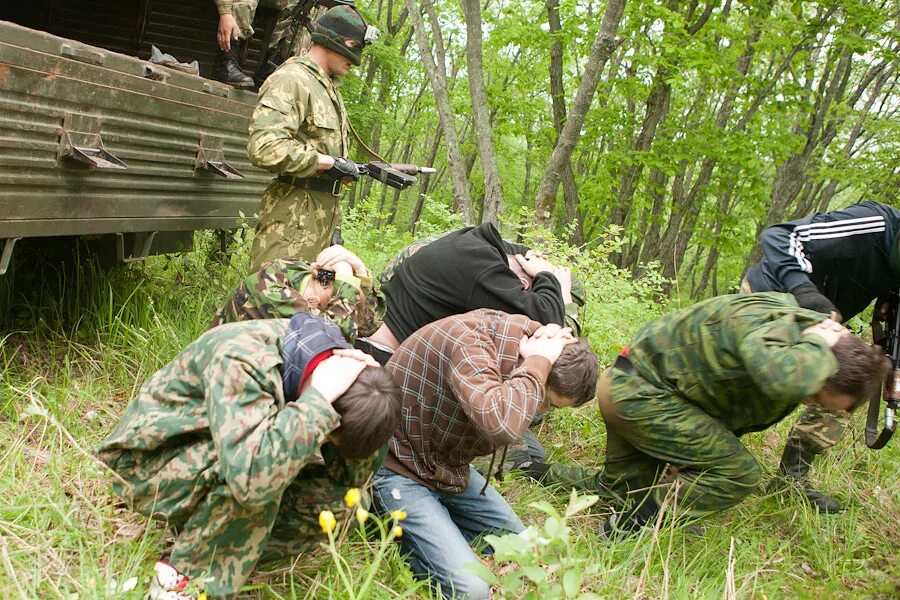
795,464
227,69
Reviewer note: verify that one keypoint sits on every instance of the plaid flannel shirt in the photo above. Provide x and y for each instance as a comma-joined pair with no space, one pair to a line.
465,391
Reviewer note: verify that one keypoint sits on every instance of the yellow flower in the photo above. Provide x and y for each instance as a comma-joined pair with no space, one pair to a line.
202,596
327,521
361,514
397,531
398,515
351,498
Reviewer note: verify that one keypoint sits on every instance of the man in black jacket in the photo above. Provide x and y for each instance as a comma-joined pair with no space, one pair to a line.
464,270
472,268
836,263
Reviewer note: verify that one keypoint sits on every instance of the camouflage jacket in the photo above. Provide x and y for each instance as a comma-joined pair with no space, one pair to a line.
275,292
742,359
299,114
216,414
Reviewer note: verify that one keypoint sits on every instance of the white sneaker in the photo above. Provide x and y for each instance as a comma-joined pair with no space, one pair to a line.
168,584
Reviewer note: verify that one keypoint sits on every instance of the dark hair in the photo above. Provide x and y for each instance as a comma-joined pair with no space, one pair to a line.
861,369
574,374
370,413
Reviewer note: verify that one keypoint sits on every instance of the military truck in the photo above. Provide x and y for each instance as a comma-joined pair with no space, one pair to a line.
98,144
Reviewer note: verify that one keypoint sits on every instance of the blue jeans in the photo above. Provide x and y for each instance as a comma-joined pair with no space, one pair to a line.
440,527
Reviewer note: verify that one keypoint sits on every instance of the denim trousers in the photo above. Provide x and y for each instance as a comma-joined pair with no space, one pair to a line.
440,528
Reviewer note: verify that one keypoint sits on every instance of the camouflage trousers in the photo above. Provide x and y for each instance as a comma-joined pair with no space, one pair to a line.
817,429
244,12
219,541
293,223
657,443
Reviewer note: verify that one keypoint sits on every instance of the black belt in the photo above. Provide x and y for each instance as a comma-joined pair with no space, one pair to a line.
332,186
623,364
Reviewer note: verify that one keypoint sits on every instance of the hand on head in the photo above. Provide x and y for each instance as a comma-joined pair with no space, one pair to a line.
328,257
829,330
338,372
548,341
534,264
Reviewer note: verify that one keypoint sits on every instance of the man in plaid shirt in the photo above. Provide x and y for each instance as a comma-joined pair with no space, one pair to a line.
470,385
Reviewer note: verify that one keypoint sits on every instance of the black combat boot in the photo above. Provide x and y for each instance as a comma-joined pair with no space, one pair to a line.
227,69
795,464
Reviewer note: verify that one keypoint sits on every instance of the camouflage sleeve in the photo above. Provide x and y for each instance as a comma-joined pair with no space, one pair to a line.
261,448
370,309
571,318
343,304
785,364
224,6
279,112
277,300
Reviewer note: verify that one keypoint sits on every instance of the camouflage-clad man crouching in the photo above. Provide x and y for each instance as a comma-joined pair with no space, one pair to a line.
220,442
693,381
337,287
300,130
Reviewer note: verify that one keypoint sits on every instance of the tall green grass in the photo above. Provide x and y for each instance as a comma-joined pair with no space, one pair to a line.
76,349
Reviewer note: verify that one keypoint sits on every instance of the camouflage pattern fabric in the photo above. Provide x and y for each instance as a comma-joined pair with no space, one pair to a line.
704,375
244,12
299,114
275,292
817,429
210,446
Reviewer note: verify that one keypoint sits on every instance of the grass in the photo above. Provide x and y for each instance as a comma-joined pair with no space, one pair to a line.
74,352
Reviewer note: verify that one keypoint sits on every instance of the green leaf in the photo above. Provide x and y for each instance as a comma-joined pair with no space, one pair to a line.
545,507
571,581
535,574
578,503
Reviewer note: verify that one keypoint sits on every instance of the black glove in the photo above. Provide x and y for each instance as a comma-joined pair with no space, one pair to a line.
809,296
536,470
344,168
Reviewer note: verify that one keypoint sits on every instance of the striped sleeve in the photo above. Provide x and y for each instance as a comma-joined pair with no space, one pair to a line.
790,248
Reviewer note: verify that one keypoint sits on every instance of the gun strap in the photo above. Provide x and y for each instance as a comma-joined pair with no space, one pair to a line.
366,150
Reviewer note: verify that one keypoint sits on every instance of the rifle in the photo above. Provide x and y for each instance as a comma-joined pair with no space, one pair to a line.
890,390
396,176
300,20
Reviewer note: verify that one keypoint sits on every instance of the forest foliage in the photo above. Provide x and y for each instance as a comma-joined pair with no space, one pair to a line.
686,125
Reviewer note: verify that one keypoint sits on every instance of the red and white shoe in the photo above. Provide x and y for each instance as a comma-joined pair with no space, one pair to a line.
168,583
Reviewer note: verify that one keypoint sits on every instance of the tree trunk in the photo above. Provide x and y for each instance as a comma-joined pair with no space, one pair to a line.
601,49
435,67
493,190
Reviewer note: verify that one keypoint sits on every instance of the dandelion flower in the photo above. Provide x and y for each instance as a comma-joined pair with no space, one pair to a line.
398,515
361,514
327,521
351,498
397,531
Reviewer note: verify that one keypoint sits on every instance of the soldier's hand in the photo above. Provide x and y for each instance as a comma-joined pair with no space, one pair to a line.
228,30
829,330
548,341
344,169
338,372
334,254
534,265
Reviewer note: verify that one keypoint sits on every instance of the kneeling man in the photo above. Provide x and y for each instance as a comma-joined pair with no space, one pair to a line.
220,444
692,382
470,384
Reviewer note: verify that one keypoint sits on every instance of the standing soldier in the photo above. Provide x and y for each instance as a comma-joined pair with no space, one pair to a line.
836,263
300,130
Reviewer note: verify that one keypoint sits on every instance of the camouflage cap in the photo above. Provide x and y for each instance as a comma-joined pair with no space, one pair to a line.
336,26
